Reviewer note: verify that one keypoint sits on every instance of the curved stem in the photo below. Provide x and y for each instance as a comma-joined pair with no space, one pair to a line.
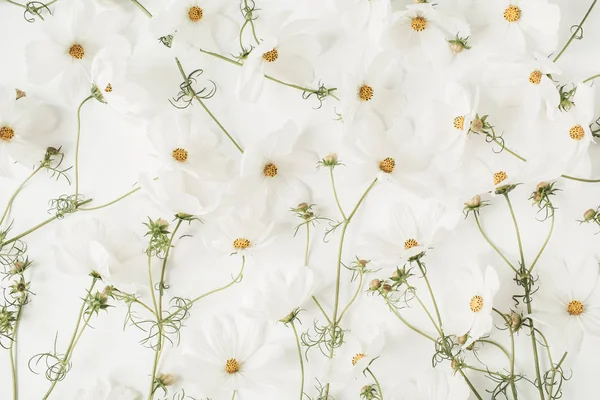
15,3
574,35
554,369
77,145
251,25
405,322
492,244
511,357
321,308
484,371
376,382
514,219
539,254
335,195
436,326
301,360
437,311
591,78
12,198
351,300
142,8
498,345
110,203
306,250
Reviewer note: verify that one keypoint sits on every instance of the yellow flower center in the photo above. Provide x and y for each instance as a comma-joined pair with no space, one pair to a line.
418,24
575,307
195,14
271,56
512,13
459,122
270,170
241,243
180,154
577,132
387,165
499,177
535,77
357,357
232,366
410,243
76,51
476,303
6,133
365,93
108,88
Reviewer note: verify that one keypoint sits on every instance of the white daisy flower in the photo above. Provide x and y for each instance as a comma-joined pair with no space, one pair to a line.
470,300
432,385
182,142
109,252
419,33
517,24
23,125
73,38
377,89
283,292
231,354
271,170
177,192
568,301
285,54
104,390
241,232
198,23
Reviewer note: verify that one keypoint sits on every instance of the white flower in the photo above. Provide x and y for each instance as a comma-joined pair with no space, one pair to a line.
470,300
178,192
94,248
271,170
282,292
198,23
568,302
285,54
103,390
183,142
377,89
74,37
433,385
517,24
230,354
359,15
241,232
23,125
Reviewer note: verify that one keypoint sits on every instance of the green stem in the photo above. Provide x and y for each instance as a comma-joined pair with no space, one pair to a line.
376,382
554,369
360,282
151,284
517,231
322,310
466,378
437,311
301,360
574,35
77,145
15,3
142,8
435,325
498,345
405,322
511,357
199,100
12,198
74,339
535,351
492,244
307,244
335,195
233,396
484,371
539,254
12,349
591,78
251,25
110,203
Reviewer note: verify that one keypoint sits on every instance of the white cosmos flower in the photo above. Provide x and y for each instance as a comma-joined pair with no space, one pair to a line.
23,125
183,142
470,300
284,53
109,74
271,170
358,16
198,23
419,33
517,24
283,292
376,89
112,253
568,302
241,232
73,38
432,385
178,192
104,390
231,354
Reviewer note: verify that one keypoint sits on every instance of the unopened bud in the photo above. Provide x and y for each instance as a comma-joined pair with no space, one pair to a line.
542,185
462,339
477,125
302,206
330,159
375,284
20,94
515,321
387,288
589,215
454,364
167,379
456,47
163,223
474,202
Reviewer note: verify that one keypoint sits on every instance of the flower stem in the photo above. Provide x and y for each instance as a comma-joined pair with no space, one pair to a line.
405,322
511,356
473,390
335,195
376,382
437,311
307,244
12,198
15,3
493,245
142,8
591,78
187,81
74,339
360,282
574,35
539,254
77,145
12,351
554,369
301,360
112,202
321,308
517,231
